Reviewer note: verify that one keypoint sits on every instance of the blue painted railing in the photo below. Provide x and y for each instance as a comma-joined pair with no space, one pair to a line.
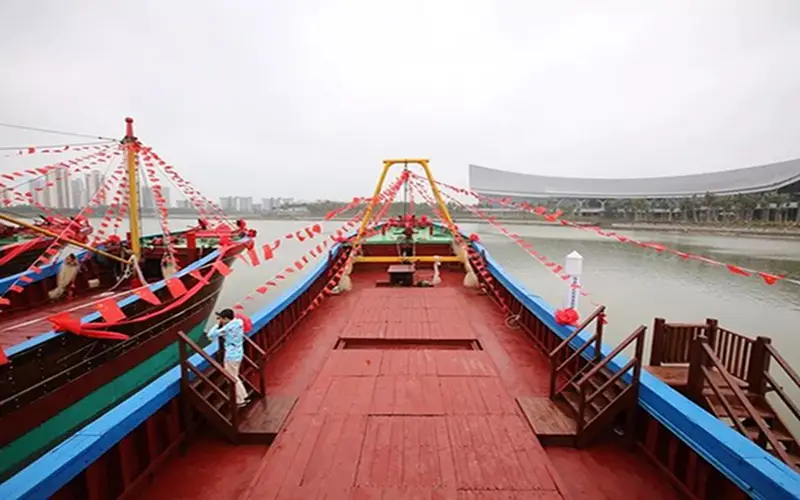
747,465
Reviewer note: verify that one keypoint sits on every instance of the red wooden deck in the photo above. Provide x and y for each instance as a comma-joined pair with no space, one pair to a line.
407,421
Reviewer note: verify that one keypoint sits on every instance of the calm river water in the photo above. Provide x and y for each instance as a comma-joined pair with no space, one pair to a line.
635,284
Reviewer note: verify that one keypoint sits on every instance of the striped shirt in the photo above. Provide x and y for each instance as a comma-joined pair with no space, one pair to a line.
233,333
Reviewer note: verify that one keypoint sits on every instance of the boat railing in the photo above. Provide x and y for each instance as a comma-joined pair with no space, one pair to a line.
769,382
708,377
561,360
225,390
672,345
627,395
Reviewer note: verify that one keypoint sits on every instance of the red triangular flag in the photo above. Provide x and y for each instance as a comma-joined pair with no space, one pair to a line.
198,276
769,279
4,302
253,256
222,268
737,270
3,357
148,296
110,311
176,287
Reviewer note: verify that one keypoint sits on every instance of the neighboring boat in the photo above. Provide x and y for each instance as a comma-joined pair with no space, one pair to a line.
82,332
431,374
20,247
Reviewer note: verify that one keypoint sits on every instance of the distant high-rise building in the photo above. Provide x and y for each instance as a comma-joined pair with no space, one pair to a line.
244,204
79,199
228,203
48,189
183,204
94,180
147,200
62,188
37,190
165,194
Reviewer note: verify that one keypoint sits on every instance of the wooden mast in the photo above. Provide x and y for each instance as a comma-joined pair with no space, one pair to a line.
133,188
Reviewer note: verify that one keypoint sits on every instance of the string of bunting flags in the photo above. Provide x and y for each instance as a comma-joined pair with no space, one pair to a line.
204,206
553,266
19,176
387,197
472,255
313,254
71,230
555,217
71,167
56,149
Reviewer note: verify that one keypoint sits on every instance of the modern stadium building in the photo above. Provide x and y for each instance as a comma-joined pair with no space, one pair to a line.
767,192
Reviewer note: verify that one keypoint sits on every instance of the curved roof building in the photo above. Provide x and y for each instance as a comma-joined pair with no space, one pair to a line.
783,176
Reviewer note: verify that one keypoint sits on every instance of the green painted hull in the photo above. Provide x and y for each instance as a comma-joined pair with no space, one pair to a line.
30,446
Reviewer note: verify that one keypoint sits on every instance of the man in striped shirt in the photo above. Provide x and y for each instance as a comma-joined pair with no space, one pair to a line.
231,329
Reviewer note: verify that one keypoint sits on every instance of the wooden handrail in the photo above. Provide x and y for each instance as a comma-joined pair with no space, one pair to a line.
637,335
255,346
763,428
783,364
630,364
582,326
199,350
230,399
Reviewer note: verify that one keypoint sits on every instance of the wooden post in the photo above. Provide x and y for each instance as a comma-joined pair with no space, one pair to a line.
184,406
697,359
657,347
221,350
553,362
262,367
759,364
598,341
712,331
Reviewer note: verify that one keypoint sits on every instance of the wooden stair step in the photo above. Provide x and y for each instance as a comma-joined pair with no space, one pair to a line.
739,411
781,435
598,403
573,400
263,419
551,424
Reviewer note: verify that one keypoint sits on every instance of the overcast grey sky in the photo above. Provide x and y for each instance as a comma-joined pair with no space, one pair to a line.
305,98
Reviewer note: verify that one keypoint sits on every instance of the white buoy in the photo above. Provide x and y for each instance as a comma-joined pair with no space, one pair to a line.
574,268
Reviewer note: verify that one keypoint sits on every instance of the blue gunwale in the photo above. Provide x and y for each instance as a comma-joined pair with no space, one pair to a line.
51,269
754,470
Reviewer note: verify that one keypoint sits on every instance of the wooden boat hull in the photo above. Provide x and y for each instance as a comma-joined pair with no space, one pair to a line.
23,260
38,417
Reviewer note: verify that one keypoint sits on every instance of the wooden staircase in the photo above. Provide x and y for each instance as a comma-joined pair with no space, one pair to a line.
586,396
212,392
741,404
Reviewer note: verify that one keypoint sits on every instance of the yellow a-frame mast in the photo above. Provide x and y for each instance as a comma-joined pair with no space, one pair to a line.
133,187
387,164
